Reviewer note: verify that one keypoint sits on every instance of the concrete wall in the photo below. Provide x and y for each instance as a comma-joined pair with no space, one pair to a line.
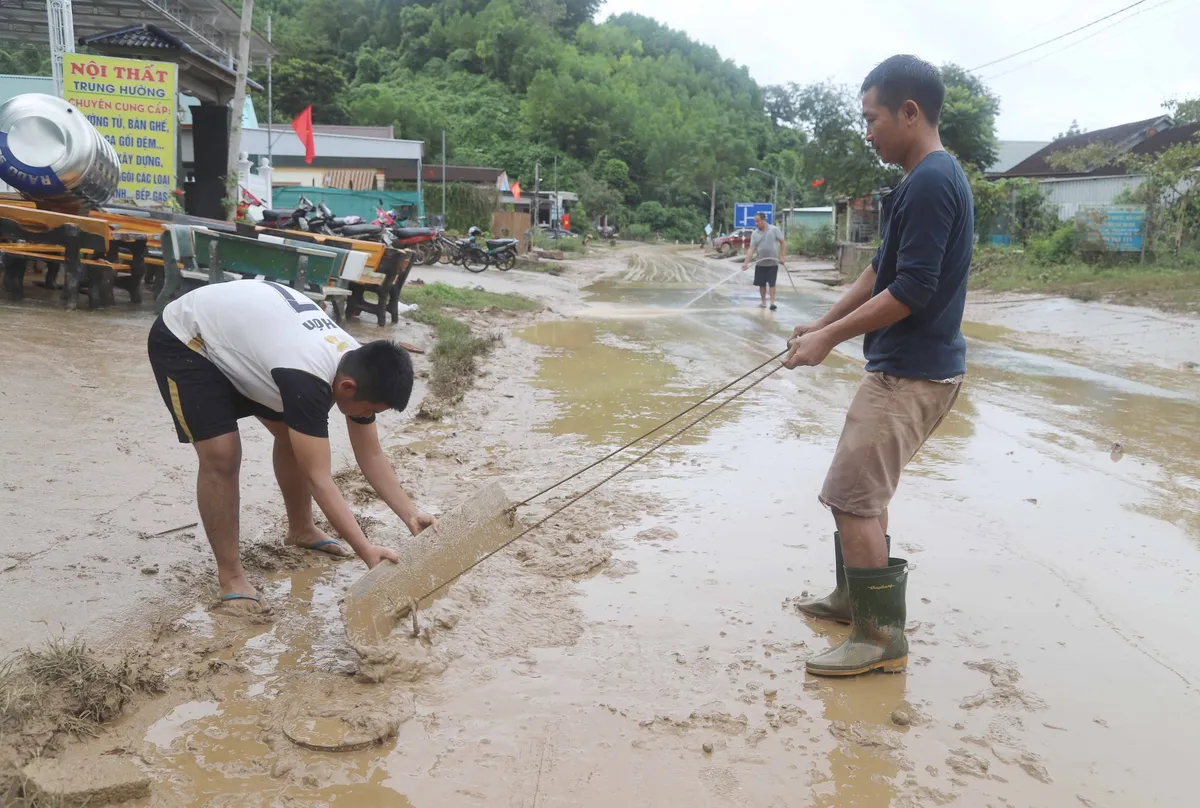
308,177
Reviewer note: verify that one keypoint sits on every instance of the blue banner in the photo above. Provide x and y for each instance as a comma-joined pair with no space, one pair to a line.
1116,227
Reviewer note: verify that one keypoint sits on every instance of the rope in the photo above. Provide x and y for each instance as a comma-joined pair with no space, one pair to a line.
664,424
623,468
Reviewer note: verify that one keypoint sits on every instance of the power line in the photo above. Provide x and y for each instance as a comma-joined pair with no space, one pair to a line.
1060,36
1069,45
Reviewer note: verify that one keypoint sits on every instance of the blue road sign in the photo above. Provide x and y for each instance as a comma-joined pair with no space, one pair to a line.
744,213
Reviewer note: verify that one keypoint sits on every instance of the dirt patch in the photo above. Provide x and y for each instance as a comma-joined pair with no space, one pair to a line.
564,554
967,763
1004,691
96,782
660,533
887,743
354,486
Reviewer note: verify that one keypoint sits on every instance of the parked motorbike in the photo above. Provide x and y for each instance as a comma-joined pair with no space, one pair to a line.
499,252
420,240
348,226
450,251
283,219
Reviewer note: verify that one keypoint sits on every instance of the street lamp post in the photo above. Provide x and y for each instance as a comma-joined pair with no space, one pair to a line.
775,198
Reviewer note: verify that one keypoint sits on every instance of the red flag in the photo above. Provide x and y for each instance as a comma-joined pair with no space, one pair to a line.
818,183
303,127
566,221
516,191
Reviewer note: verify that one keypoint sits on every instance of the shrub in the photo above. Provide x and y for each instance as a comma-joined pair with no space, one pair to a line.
639,232
1057,248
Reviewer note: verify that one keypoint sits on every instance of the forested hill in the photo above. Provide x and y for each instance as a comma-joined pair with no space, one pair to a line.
628,104
642,119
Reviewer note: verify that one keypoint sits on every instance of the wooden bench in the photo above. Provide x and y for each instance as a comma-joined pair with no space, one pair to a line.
86,248
305,267
386,271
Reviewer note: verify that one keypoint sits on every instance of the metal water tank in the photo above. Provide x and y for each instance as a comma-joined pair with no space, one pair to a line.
50,152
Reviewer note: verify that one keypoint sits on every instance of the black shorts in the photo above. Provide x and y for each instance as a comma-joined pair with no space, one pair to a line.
202,400
766,274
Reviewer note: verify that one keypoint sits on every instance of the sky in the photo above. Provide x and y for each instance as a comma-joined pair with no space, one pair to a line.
1115,72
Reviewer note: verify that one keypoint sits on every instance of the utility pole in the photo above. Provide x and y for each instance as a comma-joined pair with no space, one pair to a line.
533,206
270,99
712,207
239,101
443,178
775,197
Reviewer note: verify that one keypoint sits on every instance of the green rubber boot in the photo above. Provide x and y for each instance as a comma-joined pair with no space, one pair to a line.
836,605
877,640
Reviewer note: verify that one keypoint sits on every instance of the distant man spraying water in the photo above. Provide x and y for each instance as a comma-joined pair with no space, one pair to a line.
768,244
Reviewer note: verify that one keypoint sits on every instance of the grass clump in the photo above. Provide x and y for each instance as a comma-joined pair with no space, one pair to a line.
567,245
437,296
453,365
454,357
69,685
62,689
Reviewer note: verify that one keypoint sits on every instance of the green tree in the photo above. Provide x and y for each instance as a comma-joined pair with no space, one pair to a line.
968,124
600,199
1187,111
25,59
837,151
300,82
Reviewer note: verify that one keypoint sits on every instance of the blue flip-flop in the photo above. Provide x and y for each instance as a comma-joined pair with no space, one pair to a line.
325,543
257,597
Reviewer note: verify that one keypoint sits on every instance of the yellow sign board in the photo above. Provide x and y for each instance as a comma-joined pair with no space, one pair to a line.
133,105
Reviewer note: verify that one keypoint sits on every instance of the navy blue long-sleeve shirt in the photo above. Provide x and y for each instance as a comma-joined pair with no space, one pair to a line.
924,261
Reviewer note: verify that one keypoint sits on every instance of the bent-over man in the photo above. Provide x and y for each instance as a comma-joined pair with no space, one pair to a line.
229,351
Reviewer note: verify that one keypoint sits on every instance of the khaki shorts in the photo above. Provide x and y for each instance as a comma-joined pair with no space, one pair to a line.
887,423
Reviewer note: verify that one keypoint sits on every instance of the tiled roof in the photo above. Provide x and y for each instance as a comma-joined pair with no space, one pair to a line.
146,36
1035,165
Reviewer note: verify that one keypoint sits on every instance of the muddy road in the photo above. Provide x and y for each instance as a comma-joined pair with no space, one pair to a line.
641,649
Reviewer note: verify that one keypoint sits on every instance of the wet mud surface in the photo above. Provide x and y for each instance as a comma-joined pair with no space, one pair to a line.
641,648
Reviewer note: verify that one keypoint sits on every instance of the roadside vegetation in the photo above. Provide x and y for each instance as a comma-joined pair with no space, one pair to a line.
1170,283
1071,258
455,355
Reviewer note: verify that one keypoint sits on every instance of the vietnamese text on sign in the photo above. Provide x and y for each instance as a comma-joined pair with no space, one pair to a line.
132,104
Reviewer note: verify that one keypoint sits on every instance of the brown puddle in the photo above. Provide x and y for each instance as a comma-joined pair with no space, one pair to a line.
609,381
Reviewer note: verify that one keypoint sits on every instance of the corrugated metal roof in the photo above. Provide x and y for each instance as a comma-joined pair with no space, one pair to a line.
1011,152
353,179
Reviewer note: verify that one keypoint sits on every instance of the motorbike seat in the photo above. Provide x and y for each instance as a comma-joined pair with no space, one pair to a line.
494,243
269,213
345,221
412,232
355,230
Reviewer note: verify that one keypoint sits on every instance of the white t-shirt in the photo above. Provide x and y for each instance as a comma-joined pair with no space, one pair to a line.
275,346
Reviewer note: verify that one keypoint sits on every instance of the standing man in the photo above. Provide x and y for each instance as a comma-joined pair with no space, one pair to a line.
909,303
768,243
254,348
